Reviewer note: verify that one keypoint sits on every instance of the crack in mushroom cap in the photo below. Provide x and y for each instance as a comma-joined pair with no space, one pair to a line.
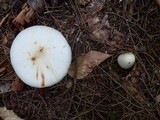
40,56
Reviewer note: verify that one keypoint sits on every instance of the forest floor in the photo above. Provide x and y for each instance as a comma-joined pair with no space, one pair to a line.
103,92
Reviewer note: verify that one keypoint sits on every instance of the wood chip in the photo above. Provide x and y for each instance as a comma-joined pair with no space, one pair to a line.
25,16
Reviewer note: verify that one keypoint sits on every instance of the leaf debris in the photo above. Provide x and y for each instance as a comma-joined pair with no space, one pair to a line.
86,63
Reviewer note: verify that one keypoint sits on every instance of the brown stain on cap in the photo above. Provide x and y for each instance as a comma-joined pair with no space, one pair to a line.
33,59
41,49
39,54
43,79
47,66
37,74
35,42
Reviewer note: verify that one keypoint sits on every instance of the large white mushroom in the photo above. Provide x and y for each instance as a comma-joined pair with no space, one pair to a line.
40,56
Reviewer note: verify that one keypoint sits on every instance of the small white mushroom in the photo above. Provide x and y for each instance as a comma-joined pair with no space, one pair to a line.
40,56
126,60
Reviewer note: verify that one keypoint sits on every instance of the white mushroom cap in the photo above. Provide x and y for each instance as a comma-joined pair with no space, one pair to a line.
40,56
126,60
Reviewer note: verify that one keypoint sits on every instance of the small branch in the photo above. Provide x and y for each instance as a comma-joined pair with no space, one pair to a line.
3,20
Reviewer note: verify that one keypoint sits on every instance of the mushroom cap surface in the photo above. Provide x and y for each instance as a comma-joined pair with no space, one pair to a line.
40,56
126,60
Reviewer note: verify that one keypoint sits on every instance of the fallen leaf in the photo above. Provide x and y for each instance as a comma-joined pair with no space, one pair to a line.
128,85
86,63
101,35
103,32
17,85
90,14
92,21
8,114
95,6
131,84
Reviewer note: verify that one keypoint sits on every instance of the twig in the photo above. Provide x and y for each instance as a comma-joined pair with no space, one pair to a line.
3,20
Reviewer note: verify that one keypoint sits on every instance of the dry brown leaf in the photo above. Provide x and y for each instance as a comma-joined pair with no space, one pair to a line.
17,85
86,63
133,91
101,35
100,28
130,83
90,16
92,21
8,114
95,6
103,32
